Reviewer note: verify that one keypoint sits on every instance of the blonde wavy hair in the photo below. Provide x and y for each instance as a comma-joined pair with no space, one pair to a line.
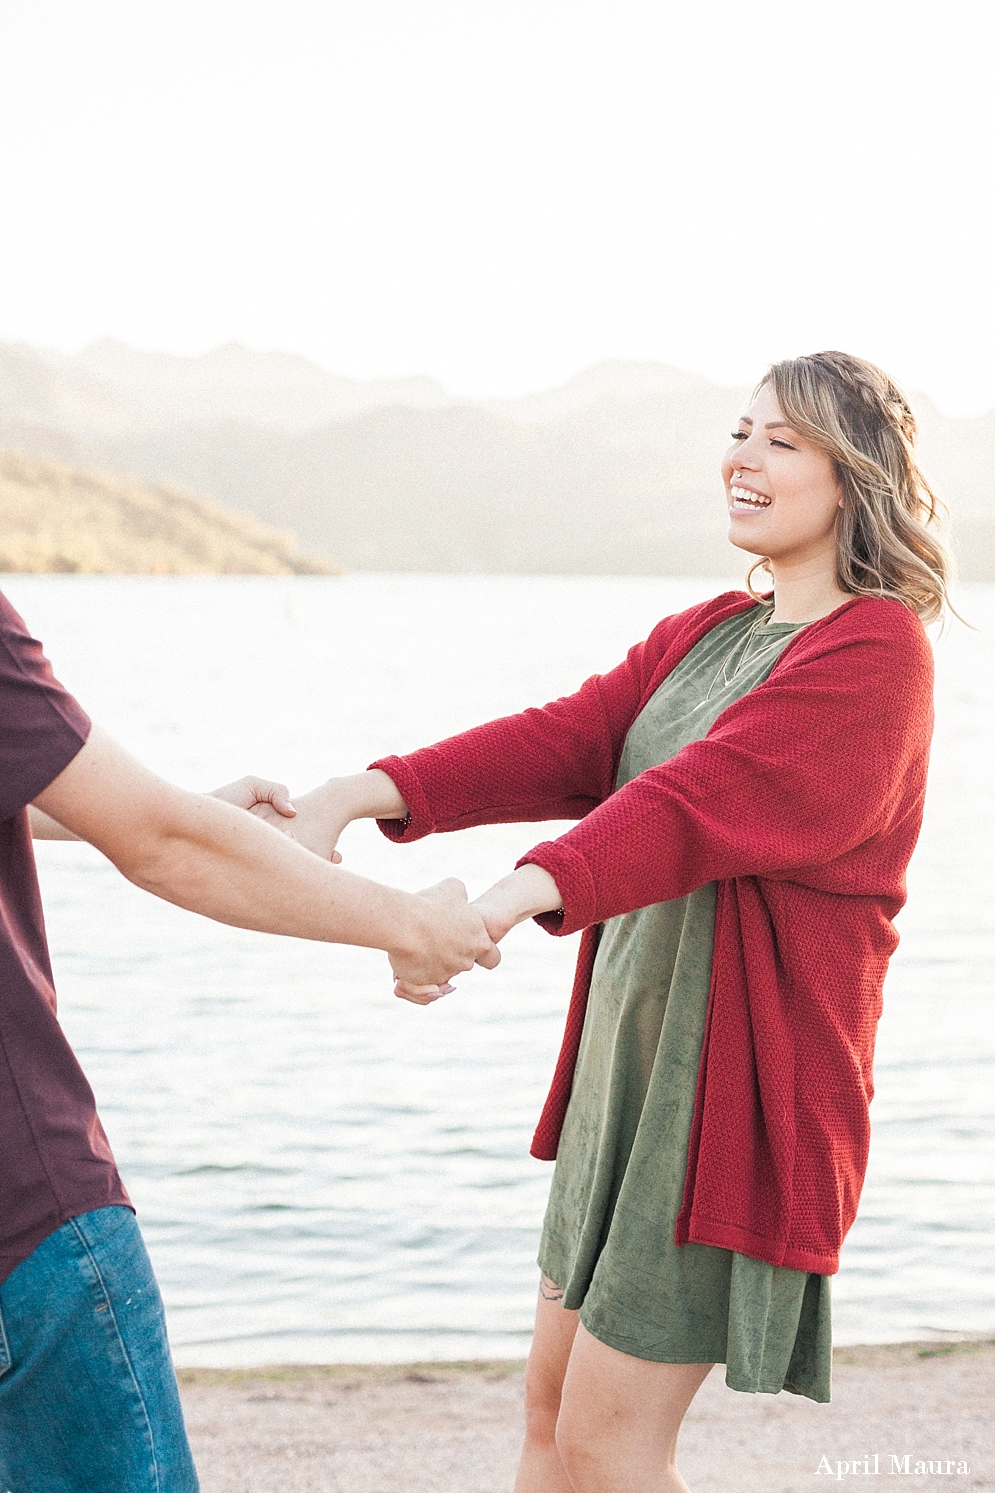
886,544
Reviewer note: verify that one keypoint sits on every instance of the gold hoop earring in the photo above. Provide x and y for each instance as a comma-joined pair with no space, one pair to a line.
762,564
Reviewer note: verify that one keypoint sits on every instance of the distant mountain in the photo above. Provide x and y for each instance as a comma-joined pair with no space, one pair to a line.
615,471
235,383
51,392
613,382
53,518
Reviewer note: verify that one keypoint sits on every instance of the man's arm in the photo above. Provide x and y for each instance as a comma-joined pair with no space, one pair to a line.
44,827
214,859
244,794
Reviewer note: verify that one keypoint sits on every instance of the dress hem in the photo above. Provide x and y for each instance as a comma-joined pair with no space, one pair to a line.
731,1383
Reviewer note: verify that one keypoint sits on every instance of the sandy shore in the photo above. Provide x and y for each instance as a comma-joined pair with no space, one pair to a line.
456,1428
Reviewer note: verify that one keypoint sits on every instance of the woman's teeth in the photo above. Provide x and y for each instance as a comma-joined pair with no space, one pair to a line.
743,498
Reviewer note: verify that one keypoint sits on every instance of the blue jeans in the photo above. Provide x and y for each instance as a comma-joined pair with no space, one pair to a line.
88,1397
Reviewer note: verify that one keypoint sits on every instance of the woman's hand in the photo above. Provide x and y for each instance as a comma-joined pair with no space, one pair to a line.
267,801
321,816
318,818
323,813
524,894
451,938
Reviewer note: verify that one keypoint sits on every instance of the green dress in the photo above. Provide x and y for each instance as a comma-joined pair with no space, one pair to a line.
608,1236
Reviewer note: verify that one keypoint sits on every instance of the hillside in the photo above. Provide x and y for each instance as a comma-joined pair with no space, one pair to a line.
614,472
55,518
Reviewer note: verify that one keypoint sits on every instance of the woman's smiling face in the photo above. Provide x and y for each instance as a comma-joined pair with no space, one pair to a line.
783,493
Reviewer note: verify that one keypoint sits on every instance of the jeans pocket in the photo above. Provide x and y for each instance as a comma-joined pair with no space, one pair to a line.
96,1229
4,1346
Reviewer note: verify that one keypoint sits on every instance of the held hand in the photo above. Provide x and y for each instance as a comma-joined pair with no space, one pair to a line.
249,791
524,894
270,802
497,910
452,939
323,814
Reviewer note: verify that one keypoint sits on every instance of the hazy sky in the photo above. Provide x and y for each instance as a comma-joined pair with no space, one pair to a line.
499,194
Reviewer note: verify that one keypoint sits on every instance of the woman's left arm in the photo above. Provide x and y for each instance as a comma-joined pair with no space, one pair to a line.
556,761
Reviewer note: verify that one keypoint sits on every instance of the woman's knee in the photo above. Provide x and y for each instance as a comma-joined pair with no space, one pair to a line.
543,1391
583,1437
554,1334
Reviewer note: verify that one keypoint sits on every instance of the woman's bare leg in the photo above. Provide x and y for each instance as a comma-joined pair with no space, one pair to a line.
540,1470
619,1419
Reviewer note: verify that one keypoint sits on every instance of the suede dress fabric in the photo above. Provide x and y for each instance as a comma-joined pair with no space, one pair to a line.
608,1236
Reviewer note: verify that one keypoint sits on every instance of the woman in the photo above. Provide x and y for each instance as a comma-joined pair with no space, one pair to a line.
750,785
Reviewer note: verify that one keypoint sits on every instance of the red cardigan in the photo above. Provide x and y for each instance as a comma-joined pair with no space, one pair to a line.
804,803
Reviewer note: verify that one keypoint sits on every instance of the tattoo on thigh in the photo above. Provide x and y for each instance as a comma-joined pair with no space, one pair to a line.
548,1290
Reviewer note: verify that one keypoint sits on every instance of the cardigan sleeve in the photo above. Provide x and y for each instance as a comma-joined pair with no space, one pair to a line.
556,761
805,778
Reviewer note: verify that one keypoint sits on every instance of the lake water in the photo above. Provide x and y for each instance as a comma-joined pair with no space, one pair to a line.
325,1173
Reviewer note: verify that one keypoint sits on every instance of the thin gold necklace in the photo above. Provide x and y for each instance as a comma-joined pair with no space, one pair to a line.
743,646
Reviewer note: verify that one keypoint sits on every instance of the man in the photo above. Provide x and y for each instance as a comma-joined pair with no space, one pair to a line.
88,1398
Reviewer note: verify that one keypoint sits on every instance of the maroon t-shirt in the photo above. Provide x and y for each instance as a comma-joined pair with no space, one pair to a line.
54,1158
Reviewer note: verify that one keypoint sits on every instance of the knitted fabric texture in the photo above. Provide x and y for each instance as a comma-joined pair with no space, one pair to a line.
803,802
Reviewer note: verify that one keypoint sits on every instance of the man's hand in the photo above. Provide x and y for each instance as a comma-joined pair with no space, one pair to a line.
319,819
526,892
453,939
249,791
